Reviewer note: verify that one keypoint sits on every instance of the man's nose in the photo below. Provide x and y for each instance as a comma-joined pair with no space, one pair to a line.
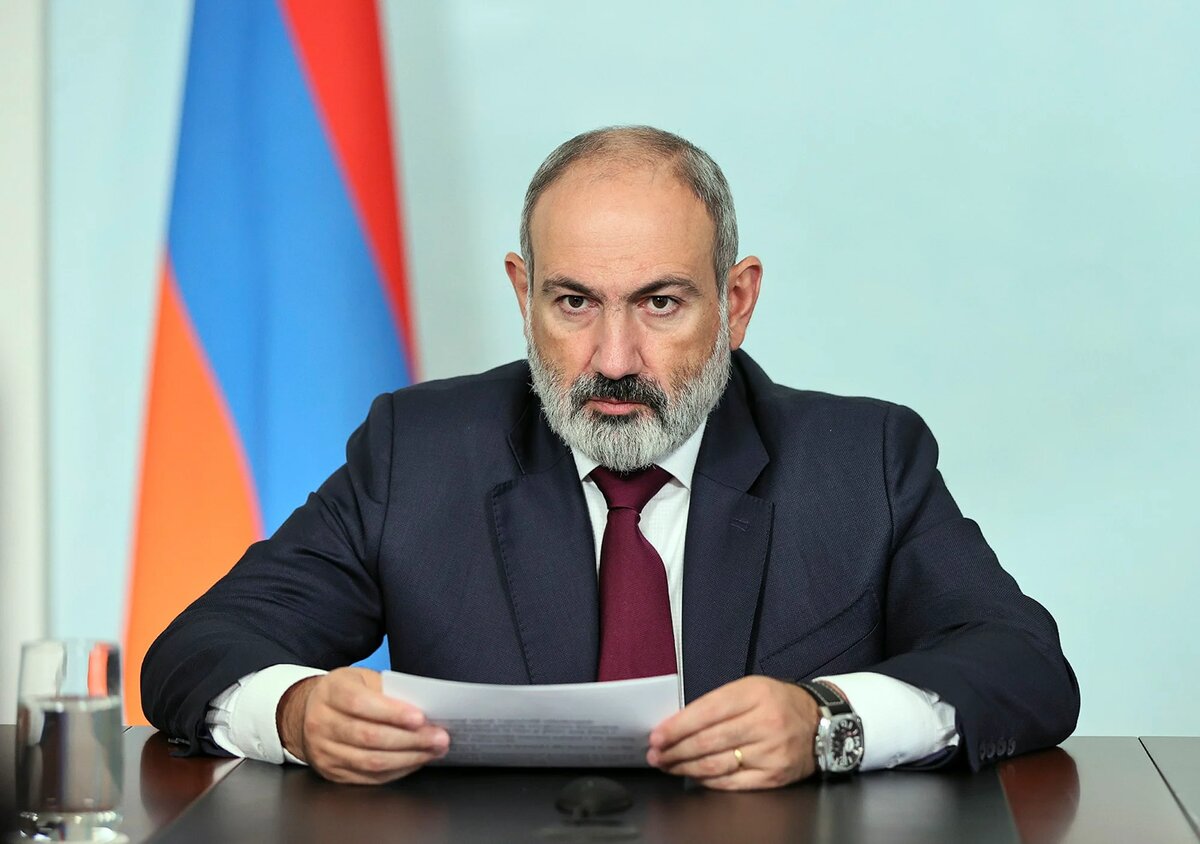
617,346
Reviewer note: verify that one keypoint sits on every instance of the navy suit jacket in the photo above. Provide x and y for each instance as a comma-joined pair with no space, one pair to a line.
821,539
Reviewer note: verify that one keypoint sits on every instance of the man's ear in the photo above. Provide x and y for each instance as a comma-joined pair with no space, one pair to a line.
742,286
514,265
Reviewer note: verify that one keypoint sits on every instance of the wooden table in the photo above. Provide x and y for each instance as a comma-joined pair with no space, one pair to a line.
1090,790
1178,760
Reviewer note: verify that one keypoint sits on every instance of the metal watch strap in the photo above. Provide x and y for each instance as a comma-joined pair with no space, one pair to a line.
826,696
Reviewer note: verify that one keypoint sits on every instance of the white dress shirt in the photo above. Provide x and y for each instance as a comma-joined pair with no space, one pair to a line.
901,723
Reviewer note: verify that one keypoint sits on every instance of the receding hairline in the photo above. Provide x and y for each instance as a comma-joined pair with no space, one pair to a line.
618,150
603,168
623,148
614,150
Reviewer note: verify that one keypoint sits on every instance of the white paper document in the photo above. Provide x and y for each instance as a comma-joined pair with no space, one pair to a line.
569,725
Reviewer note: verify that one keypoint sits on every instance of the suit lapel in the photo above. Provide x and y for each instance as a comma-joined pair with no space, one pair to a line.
547,552
725,553
543,533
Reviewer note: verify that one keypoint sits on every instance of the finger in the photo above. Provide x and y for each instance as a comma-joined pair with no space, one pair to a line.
718,738
721,704
720,764
356,700
766,764
349,777
349,763
743,780
383,762
372,735
352,764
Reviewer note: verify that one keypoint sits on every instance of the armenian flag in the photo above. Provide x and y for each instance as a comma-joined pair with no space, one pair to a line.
283,306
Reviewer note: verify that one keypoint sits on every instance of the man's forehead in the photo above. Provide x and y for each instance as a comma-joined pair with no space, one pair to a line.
601,175
609,212
632,166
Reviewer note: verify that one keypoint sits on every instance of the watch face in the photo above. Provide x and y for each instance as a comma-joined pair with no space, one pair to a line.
846,743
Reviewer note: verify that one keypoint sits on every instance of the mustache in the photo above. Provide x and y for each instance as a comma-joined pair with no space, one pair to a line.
631,388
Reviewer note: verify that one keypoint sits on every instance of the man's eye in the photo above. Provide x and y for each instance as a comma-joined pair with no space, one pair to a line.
662,304
575,303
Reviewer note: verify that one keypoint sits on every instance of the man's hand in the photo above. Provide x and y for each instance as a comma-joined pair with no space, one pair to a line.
772,723
343,725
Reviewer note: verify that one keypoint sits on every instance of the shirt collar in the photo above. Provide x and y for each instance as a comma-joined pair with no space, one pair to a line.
680,463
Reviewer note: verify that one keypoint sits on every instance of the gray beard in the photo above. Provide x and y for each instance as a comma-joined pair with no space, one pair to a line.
636,440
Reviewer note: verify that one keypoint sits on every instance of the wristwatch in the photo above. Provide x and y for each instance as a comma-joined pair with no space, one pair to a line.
839,742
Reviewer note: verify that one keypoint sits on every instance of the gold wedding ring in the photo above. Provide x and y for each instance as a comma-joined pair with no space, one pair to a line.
737,754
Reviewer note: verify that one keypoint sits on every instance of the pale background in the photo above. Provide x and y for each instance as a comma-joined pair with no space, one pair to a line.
989,213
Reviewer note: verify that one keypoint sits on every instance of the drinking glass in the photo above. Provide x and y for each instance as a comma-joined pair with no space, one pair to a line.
69,760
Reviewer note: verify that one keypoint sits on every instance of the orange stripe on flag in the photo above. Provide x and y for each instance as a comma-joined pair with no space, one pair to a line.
97,670
197,510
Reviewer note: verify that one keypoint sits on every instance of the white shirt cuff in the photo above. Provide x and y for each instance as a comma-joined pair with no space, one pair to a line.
241,719
901,723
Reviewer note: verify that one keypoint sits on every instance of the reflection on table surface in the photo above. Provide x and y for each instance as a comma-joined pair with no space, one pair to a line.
166,784
480,804
1178,760
1092,789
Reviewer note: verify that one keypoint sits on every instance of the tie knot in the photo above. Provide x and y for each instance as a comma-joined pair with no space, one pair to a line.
630,491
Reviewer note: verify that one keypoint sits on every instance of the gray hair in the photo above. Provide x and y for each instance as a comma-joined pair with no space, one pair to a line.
644,144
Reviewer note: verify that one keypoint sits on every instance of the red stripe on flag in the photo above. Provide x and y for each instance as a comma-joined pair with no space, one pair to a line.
341,53
197,510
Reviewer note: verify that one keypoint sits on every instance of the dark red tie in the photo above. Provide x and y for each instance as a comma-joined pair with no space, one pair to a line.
636,638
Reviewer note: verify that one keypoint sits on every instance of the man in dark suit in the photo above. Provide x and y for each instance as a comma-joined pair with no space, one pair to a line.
653,505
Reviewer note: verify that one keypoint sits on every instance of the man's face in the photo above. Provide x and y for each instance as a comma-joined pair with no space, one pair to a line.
628,339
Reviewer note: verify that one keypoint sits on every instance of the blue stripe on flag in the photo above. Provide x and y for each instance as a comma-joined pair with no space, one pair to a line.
271,258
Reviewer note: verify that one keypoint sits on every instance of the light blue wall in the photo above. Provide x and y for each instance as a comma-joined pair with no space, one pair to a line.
116,74
987,213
